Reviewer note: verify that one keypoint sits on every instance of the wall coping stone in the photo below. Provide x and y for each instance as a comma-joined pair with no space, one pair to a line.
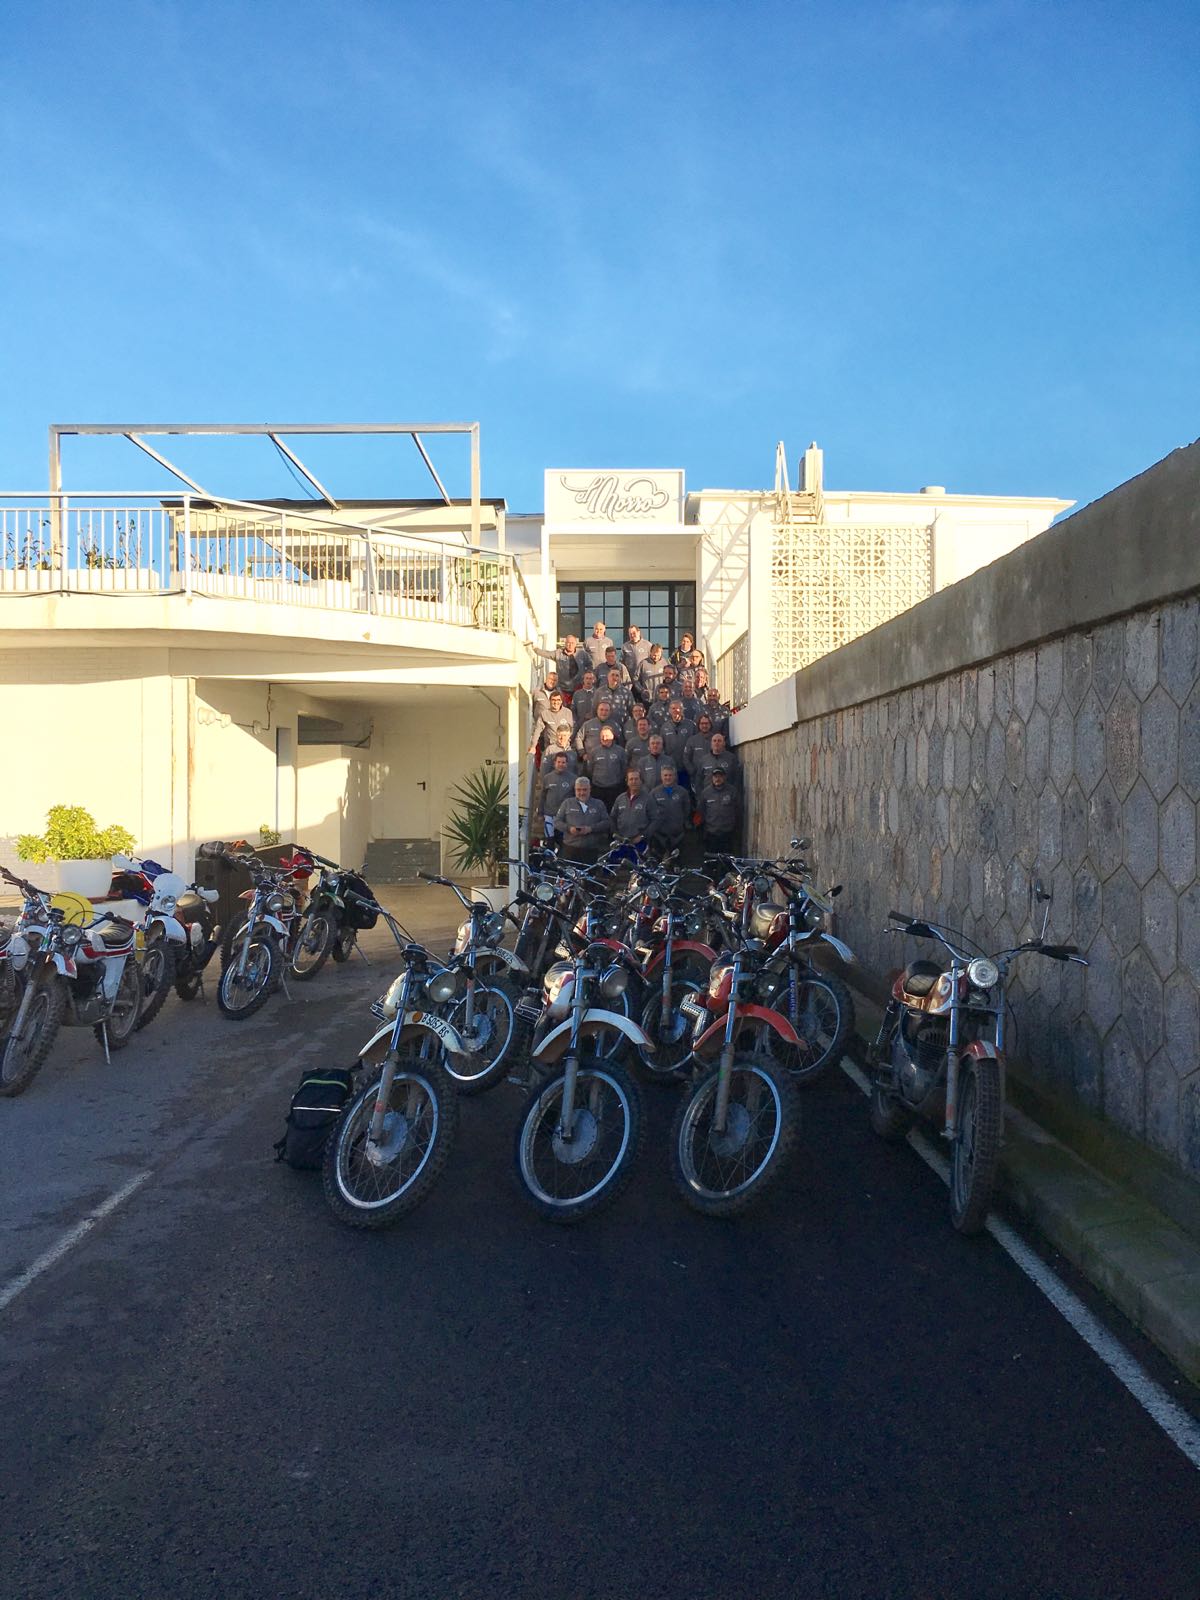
1136,546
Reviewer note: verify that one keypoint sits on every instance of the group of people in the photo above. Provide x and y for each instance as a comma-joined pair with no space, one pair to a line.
632,746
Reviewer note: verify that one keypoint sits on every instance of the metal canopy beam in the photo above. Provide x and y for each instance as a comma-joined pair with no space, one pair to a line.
416,438
163,462
296,462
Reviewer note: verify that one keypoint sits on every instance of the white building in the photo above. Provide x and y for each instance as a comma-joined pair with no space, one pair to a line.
194,667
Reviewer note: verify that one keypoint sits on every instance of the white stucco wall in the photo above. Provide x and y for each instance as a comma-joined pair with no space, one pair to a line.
333,801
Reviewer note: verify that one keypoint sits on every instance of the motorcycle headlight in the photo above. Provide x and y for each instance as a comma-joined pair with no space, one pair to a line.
491,929
720,971
443,986
72,936
274,904
983,973
462,938
614,982
18,951
545,893
694,924
166,905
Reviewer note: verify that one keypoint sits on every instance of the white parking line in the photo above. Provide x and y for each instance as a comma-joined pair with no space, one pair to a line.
57,1251
1179,1425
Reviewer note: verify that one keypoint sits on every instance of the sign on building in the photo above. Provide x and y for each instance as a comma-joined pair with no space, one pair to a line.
583,498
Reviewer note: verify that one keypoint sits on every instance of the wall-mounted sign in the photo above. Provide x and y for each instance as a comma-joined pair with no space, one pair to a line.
609,497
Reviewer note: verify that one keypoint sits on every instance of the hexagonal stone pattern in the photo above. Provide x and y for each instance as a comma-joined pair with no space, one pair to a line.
1076,761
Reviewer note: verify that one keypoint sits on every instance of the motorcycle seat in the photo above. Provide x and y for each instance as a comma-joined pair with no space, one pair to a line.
188,903
112,935
920,977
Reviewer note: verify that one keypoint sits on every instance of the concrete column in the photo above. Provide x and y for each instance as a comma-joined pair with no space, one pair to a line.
761,636
512,727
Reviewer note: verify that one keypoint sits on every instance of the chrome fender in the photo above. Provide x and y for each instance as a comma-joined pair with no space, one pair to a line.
413,1024
171,926
554,1045
843,950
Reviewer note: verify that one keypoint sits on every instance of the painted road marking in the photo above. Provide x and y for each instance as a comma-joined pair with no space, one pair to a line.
56,1252
1179,1425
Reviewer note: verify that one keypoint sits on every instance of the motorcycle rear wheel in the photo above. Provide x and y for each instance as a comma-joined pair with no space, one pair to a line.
975,1156
122,1021
21,1059
496,1019
723,1174
343,944
665,1063
419,1130
824,1021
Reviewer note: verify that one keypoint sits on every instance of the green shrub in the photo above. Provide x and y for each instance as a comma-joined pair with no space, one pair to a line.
478,828
267,836
72,835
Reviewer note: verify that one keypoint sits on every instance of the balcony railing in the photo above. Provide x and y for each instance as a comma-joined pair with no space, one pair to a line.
240,551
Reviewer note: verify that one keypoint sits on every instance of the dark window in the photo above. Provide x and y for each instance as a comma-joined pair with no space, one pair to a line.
663,611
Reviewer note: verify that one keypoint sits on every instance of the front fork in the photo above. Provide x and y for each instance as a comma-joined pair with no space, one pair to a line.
725,1070
664,1013
566,1123
18,1022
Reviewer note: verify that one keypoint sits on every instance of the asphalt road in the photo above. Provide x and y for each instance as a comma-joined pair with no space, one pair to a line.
220,1391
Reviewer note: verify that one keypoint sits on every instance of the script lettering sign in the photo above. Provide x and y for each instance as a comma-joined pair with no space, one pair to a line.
609,496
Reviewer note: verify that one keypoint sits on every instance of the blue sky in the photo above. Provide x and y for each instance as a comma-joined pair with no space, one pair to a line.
953,242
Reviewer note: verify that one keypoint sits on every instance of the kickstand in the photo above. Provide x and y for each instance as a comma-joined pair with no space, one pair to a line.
104,1042
283,981
361,951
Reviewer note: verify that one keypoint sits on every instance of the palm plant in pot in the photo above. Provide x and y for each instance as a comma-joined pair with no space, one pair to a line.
477,828
80,852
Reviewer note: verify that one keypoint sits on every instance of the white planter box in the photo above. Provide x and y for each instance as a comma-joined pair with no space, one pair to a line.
496,898
88,878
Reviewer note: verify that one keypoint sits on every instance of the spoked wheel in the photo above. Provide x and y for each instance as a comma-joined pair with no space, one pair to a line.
241,993
187,987
313,945
610,1043
975,1156
490,1040
672,1043
722,1172
824,1018
158,974
370,1185
567,1174
21,1057
122,1021
343,944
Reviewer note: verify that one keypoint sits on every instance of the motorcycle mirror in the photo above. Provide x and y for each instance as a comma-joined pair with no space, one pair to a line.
835,891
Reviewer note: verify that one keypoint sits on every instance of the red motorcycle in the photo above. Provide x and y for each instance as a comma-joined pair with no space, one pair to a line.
675,967
735,1129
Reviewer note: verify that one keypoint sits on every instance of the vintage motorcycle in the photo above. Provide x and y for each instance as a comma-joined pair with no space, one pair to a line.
676,962
579,1136
734,1130
176,933
340,907
72,970
394,1136
259,944
939,1054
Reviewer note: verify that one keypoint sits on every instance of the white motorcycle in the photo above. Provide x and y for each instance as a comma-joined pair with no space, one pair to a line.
162,939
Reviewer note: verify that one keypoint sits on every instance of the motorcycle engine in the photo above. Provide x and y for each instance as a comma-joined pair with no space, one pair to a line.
920,1056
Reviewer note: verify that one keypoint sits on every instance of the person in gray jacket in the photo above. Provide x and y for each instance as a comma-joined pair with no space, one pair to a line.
698,746
652,763
719,759
596,644
613,663
634,651
720,814
558,785
569,660
583,701
637,743
649,675
588,736
582,824
676,733
540,699
606,767
546,726
718,711
632,813
563,745
672,806
660,712
618,694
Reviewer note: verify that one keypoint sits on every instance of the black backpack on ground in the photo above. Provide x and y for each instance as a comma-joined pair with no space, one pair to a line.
316,1106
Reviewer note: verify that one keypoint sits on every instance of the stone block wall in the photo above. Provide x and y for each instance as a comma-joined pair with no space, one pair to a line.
1074,759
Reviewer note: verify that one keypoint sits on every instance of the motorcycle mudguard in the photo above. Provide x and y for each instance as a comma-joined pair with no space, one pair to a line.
414,1023
983,1050
683,947
715,1034
275,924
171,926
843,950
553,1047
63,965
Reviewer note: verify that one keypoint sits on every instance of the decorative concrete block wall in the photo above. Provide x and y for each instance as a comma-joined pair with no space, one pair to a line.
1074,758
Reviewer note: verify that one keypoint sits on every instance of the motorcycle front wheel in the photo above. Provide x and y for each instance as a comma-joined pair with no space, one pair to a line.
158,966
369,1186
975,1155
21,1058
313,945
241,993
567,1175
824,1019
123,1020
722,1173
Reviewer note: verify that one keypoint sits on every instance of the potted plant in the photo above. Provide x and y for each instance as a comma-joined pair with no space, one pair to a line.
80,852
478,829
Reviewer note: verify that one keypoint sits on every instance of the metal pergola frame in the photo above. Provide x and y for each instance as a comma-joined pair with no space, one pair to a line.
136,433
